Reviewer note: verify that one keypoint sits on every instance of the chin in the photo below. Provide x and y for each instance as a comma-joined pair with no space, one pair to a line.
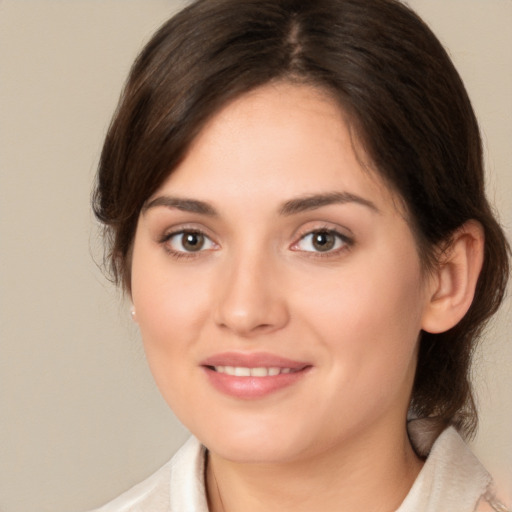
256,441
254,451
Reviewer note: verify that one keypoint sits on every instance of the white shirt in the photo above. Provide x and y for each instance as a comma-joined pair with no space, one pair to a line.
452,479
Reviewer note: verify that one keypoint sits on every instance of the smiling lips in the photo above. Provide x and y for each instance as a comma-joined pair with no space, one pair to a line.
242,371
252,376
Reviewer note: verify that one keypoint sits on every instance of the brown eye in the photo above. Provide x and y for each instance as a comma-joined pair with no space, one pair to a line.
323,240
188,242
192,241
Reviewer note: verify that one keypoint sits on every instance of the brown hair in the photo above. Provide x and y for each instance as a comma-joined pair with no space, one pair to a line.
405,101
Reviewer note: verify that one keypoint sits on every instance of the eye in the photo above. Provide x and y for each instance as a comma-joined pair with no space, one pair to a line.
188,242
324,240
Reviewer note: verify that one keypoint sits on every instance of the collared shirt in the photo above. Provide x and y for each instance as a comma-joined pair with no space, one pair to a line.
452,479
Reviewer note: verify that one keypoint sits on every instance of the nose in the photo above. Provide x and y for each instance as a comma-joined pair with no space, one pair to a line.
251,298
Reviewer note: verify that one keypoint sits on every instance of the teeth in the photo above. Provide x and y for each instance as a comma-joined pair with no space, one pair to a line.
241,371
259,372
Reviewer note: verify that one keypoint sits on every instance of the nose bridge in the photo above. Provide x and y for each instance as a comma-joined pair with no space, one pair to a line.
250,299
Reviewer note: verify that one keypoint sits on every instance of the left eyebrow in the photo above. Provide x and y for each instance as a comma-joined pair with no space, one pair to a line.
312,202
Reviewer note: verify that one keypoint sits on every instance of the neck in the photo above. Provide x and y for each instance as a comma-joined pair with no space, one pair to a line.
368,475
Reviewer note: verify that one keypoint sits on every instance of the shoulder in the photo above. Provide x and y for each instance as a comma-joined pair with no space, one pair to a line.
452,477
169,487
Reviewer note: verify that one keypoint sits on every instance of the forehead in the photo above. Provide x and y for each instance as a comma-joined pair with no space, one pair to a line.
281,138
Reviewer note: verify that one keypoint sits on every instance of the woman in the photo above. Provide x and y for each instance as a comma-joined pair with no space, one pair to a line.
293,194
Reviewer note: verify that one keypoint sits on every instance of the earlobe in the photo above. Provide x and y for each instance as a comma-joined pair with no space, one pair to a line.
453,283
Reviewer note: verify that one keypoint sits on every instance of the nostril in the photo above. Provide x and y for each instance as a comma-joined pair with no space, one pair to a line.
257,322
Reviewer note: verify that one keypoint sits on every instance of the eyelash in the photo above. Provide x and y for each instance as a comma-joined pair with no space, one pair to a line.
347,243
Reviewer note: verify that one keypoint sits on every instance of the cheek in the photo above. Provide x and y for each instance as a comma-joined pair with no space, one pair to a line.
168,323
169,309
165,298
170,318
370,317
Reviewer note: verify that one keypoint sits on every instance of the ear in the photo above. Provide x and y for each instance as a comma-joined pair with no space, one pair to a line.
452,285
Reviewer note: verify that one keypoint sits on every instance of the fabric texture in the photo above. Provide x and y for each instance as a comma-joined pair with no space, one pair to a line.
452,479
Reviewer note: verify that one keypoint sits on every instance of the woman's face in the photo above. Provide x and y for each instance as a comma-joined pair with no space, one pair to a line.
277,285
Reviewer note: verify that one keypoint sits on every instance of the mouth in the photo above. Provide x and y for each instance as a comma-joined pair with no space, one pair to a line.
253,376
261,371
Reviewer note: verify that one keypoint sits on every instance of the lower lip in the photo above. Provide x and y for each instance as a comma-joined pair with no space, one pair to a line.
250,388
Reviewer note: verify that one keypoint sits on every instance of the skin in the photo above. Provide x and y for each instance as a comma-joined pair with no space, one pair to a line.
336,439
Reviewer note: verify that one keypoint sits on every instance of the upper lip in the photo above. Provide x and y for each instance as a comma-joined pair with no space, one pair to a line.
253,360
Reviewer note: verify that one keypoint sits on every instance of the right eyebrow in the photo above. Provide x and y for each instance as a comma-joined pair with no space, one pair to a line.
183,204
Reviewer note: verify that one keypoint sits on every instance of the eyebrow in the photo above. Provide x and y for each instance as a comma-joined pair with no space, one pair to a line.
291,207
312,202
183,204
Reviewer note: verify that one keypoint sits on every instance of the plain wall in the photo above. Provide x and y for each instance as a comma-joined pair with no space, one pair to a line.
80,418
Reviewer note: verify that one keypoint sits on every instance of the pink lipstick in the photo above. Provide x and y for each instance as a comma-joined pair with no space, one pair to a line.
252,376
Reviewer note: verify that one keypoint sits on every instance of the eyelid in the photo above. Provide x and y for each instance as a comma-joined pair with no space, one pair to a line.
165,232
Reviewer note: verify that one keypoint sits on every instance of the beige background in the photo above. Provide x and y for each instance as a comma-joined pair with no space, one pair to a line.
80,419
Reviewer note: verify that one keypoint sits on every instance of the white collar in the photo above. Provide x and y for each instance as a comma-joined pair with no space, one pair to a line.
452,478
